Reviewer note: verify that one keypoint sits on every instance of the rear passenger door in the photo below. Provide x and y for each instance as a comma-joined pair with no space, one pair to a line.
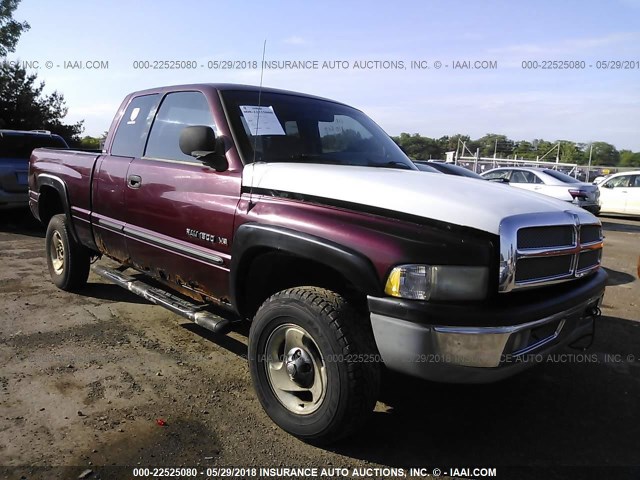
109,214
180,211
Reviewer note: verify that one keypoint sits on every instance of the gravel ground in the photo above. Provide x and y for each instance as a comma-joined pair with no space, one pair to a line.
86,378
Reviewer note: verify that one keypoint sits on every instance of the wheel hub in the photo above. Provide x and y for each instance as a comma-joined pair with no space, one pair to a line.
300,367
295,369
57,253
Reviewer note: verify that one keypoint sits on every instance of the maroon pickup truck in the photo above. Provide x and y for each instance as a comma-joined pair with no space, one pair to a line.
226,203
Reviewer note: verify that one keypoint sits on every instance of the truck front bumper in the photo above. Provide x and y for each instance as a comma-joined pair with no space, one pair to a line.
460,344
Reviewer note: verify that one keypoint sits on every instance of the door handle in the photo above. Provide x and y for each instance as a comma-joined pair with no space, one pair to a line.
134,181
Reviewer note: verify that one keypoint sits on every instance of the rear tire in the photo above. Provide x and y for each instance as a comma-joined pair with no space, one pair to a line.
67,260
313,364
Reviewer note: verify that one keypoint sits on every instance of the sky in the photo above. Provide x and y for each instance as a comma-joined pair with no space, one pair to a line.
586,104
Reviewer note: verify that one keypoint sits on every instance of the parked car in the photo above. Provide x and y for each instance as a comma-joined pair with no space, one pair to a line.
598,180
448,168
15,149
620,193
301,215
550,182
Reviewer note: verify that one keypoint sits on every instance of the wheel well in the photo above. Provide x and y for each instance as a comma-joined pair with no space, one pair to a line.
271,271
49,204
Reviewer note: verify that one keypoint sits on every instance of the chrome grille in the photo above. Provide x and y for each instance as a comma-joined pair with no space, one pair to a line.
588,259
540,249
543,267
541,237
590,233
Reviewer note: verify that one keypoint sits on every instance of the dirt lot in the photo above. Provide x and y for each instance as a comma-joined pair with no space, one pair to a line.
84,379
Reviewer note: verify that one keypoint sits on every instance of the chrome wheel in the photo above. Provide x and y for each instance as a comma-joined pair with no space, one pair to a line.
57,253
295,369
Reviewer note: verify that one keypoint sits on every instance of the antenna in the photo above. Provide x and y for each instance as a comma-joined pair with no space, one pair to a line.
255,137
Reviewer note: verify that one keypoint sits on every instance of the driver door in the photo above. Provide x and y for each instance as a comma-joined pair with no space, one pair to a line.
180,210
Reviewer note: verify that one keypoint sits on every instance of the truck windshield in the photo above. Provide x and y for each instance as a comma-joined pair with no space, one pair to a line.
290,128
21,145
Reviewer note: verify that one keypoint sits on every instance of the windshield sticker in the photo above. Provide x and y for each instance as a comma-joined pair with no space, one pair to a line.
261,120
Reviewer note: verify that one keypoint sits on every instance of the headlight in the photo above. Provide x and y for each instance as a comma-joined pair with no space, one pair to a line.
438,282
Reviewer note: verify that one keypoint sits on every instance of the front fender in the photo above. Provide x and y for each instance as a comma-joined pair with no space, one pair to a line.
250,238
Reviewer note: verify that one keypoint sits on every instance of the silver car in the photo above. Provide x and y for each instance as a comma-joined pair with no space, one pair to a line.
550,182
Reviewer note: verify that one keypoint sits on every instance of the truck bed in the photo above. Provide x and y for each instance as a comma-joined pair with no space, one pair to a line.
69,172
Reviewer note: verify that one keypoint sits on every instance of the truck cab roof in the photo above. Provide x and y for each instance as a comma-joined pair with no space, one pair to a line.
226,86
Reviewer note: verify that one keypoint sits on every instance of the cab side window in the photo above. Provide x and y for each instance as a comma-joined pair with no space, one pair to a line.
635,181
134,126
177,111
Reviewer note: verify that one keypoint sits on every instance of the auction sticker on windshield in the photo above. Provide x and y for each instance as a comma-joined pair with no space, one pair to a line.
261,120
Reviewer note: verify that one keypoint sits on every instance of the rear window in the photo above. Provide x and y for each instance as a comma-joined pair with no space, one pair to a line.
132,131
563,177
21,146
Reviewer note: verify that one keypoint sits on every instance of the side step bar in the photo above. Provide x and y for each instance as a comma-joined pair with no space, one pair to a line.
184,308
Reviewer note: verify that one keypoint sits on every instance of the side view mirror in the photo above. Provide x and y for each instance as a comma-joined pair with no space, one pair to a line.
200,141
606,185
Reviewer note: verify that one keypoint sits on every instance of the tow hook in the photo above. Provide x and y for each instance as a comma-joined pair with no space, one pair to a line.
593,312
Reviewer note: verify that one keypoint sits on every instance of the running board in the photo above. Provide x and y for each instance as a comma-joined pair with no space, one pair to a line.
157,296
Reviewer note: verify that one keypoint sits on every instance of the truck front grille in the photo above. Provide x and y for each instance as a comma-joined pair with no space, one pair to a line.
540,249
589,259
529,269
542,237
590,233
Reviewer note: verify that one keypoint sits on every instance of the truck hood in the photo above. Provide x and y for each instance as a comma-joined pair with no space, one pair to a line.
458,200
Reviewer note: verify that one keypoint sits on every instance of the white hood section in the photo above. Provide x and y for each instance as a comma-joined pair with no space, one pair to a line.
448,198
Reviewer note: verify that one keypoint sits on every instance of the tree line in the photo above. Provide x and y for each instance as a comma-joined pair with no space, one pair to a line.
602,153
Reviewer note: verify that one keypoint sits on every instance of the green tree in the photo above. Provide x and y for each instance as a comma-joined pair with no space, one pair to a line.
524,149
493,143
418,147
629,158
23,106
604,154
10,29
569,152
452,143
90,142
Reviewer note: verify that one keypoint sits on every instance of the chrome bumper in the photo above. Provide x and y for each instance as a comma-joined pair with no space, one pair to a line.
477,354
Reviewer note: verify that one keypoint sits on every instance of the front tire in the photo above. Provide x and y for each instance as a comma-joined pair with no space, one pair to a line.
313,364
67,260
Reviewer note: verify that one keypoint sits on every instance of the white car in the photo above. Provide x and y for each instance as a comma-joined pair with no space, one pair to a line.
620,193
550,182
600,179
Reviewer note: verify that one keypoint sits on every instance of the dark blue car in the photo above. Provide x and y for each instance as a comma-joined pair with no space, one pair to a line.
15,149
